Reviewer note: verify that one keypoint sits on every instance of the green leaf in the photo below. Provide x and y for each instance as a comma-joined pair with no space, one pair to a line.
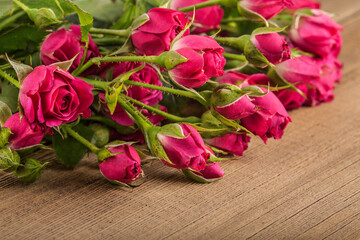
196,177
104,10
68,150
4,136
267,30
5,112
22,70
172,130
9,159
30,171
9,95
86,20
65,65
253,16
24,38
59,7
254,56
6,5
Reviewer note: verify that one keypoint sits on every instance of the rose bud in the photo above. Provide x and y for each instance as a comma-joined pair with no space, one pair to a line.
298,4
23,135
211,173
270,117
51,96
233,143
272,46
322,90
30,170
184,147
205,60
319,75
9,159
63,45
101,134
292,99
206,19
232,102
266,8
123,167
318,34
155,35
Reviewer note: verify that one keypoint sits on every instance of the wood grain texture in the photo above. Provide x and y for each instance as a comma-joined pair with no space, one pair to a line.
305,186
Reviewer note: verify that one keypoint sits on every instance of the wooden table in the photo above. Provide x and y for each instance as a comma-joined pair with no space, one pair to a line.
305,186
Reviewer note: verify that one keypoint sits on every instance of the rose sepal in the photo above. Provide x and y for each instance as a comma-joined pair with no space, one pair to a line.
188,173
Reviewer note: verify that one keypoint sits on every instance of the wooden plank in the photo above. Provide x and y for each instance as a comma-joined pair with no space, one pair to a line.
305,186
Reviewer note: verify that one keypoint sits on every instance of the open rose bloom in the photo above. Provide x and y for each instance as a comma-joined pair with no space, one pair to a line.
206,19
205,60
51,96
155,36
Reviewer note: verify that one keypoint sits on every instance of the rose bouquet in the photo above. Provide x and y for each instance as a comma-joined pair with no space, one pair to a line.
118,84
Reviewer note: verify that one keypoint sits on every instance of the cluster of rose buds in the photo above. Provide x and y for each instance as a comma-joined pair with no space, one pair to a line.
245,78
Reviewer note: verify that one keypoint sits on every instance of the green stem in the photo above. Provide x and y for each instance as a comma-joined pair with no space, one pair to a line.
5,66
236,43
238,19
98,60
96,83
168,90
109,41
143,123
201,5
238,57
9,78
120,33
169,116
82,140
10,19
84,54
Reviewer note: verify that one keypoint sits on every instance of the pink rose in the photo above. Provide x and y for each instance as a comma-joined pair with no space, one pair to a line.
273,46
242,107
51,96
205,60
155,36
212,171
23,135
264,116
298,4
208,18
318,34
319,75
266,8
291,99
124,167
271,118
185,148
63,45
230,142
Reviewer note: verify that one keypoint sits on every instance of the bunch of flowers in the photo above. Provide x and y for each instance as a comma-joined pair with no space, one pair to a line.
239,65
